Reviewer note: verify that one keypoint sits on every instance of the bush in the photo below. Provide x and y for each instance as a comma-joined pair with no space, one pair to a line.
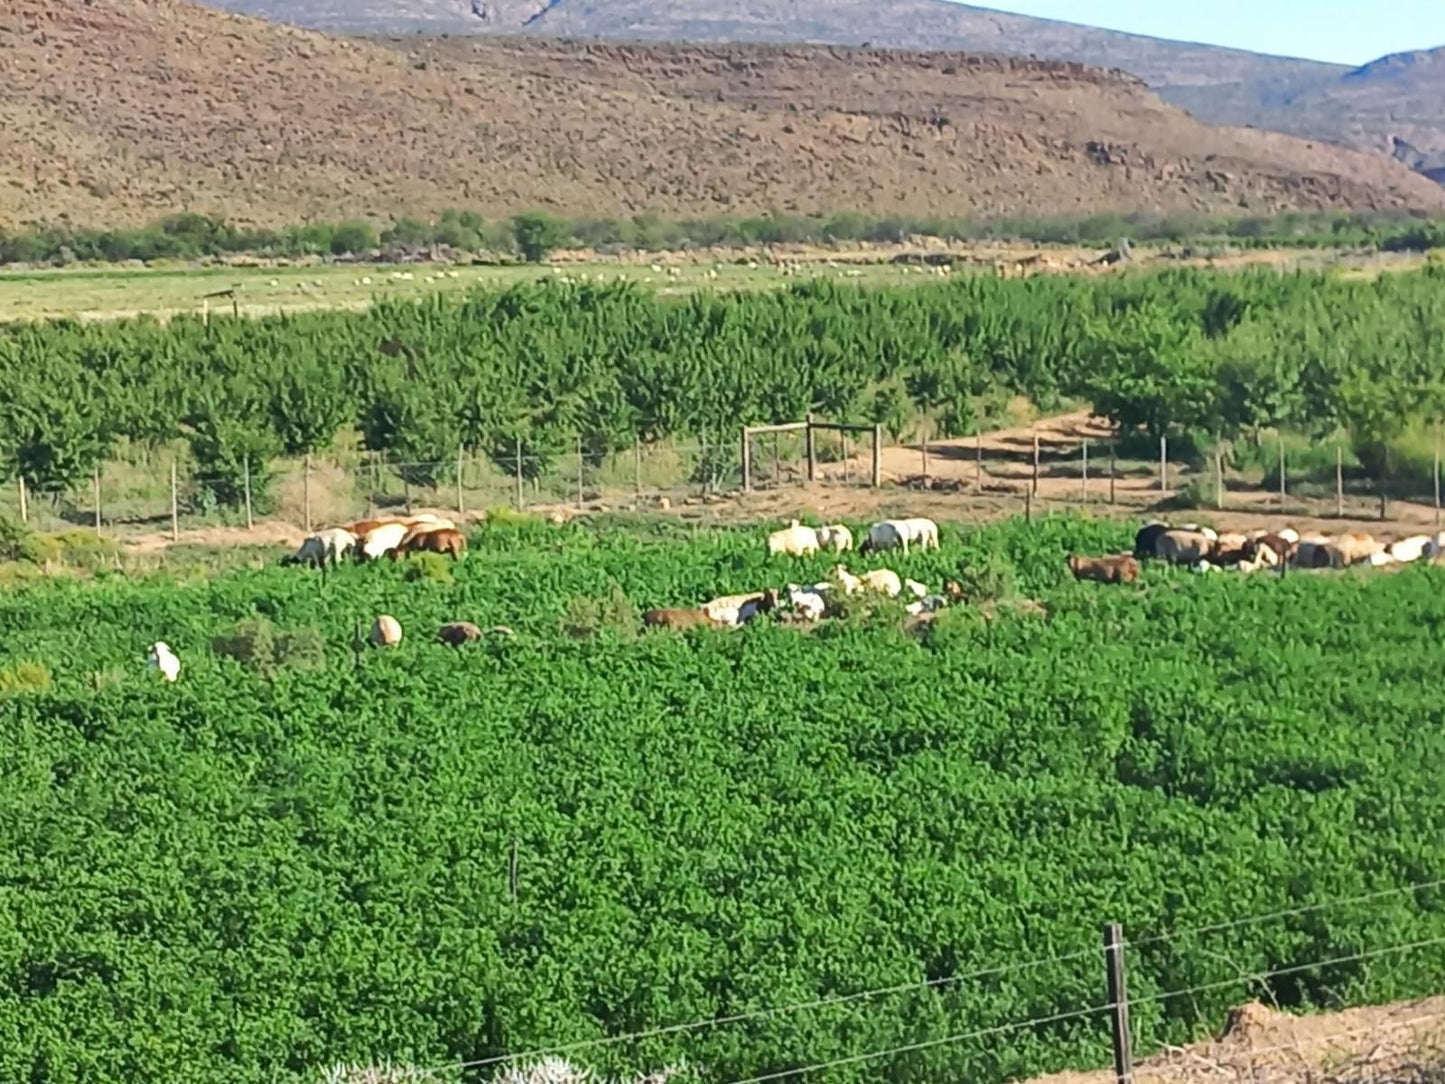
25,676
257,644
589,616
988,580
19,543
431,567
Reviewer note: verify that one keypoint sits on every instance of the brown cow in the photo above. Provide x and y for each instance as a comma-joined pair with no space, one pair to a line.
444,540
676,619
1116,568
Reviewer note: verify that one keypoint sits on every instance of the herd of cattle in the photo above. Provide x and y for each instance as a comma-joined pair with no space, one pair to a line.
1205,550
371,539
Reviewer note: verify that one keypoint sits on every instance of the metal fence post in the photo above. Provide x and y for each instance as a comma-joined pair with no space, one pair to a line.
1118,1003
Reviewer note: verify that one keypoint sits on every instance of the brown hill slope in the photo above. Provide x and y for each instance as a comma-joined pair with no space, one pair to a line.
120,110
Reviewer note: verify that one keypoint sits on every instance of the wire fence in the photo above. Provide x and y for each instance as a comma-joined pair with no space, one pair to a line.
1279,1042
980,476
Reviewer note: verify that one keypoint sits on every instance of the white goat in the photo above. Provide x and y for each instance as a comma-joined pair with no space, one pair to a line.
162,658
837,538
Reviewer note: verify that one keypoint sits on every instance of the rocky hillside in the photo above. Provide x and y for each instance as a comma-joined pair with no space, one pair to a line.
117,111
1391,106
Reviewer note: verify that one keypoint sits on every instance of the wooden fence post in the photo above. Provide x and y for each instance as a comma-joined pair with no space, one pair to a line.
24,504
1035,486
1028,505
812,450
1281,475
1163,465
1339,482
581,466
520,498
1086,471
978,457
637,467
777,462
847,456
461,501
97,498
1113,473
246,488
175,506
878,456
747,461
925,457
1118,1003
306,494
1435,478
1218,479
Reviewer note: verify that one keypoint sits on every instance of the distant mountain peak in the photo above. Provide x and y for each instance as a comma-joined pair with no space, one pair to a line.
1401,63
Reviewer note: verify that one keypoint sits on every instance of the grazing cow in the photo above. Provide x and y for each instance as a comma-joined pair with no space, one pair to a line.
457,633
1268,551
163,659
892,534
737,610
1183,547
1146,541
1229,549
385,631
322,548
835,538
1410,549
1351,549
445,540
380,540
677,619
794,540
1115,568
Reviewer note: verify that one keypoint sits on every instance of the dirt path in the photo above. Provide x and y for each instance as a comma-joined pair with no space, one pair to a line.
1376,1043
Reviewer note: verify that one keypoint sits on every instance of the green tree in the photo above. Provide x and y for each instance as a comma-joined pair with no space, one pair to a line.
536,235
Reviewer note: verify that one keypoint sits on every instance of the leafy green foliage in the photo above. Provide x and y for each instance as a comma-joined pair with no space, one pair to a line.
537,235
428,568
257,644
277,876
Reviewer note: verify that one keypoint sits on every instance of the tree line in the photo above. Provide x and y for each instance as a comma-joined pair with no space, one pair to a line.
533,235
540,366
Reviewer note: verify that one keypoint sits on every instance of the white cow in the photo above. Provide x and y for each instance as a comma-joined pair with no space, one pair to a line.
794,540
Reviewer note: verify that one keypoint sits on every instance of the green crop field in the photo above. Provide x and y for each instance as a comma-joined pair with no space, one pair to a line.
280,863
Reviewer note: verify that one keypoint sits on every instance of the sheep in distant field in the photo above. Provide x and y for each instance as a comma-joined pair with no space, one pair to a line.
381,540
835,538
1410,549
385,631
734,610
163,659
899,534
794,540
884,581
808,601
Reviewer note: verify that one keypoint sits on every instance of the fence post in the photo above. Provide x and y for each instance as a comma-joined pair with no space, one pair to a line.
580,469
1339,482
777,462
978,456
747,461
1435,477
520,498
1218,479
1028,505
925,457
175,506
812,451
1281,475
1036,461
1118,1003
1113,472
847,457
246,489
1086,471
1163,465
878,456
97,498
461,501
24,506
637,467
306,494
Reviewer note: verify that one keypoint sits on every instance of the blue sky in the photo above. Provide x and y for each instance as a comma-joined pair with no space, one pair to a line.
1343,31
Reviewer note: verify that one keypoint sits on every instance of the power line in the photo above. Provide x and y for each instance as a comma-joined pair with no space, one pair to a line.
1019,1025
1290,913
781,1010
